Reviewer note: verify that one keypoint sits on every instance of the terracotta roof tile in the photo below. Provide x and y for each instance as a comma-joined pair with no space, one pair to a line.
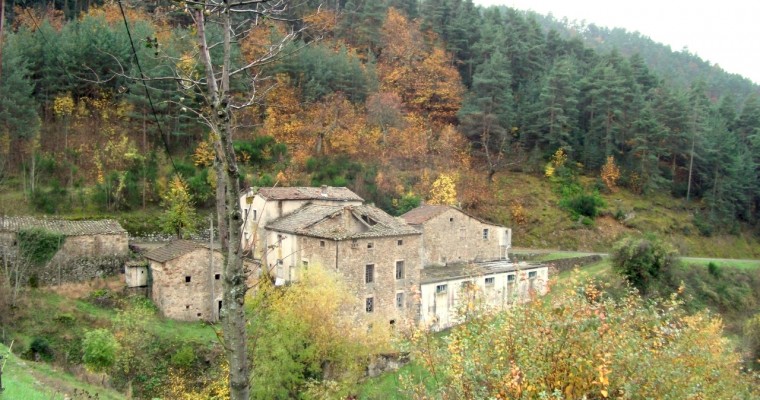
65,227
424,213
309,193
174,249
308,221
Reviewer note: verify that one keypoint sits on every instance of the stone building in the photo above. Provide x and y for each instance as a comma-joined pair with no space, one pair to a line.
185,280
268,204
445,290
378,256
91,248
450,235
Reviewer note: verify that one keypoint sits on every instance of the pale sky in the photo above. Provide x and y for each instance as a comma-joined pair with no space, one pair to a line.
724,32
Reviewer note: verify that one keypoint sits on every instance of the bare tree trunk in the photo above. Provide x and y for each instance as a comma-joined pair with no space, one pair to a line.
233,282
2,29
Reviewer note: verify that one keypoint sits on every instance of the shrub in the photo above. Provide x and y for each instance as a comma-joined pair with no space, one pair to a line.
645,262
584,204
99,350
40,349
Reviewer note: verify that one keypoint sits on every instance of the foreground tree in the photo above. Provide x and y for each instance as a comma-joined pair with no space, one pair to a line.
226,82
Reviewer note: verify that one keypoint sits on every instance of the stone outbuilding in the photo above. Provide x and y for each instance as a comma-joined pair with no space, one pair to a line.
267,204
378,256
90,248
185,279
450,235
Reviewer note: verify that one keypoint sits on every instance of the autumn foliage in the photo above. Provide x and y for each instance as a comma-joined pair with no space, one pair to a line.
582,343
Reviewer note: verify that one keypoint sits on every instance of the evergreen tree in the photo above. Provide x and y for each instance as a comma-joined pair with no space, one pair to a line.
556,120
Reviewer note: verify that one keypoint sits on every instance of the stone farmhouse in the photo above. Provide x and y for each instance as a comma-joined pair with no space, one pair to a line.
185,280
90,248
378,255
420,265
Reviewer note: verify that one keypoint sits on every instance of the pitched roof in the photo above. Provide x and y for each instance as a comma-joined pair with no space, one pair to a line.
426,212
174,249
309,193
62,226
423,213
308,221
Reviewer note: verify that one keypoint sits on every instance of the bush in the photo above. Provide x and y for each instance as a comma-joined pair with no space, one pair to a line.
99,350
646,263
40,349
584,204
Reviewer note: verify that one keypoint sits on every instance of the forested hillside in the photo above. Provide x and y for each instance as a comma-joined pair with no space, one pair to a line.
400,100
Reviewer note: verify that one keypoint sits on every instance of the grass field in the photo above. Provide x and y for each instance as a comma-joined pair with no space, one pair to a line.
28,380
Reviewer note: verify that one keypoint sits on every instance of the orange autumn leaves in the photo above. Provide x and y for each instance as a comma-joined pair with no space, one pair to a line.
406,123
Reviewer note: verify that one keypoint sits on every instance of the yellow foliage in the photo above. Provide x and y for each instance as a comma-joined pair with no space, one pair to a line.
204,155
610,174
63,105
443,190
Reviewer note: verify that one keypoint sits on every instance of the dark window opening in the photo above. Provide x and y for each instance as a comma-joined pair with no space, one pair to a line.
532,274
400,300
217,276
370,245
451,219
490,281
370,304
321,243
400,269
485,234
441,289
400,242
368,220
369,273
187,279
187,307
199,314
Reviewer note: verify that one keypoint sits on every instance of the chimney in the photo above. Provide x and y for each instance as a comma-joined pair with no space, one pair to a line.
324,191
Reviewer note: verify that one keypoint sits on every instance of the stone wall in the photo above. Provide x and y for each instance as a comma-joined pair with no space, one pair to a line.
78,269
179,299
453,236
563,264
352,259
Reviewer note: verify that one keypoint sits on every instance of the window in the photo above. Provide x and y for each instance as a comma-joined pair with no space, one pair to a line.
254,215
369,273
369,304
217,276
187,279
305,264
321,243
451,219
187,307
400,269
490,281
279,261
485,234
354,244
400,300
532,274
370,245
368,220
400,242
440,289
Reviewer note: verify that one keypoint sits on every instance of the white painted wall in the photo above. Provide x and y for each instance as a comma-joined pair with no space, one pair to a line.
441,310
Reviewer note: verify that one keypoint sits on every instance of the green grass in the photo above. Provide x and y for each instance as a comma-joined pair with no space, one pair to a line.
29,380
559,256
740,264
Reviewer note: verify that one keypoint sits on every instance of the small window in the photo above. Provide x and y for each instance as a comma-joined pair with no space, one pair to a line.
400,300
187,307
441,289
485,234
368,220
400,242
187,279
305,264
369,273
490,281
279,261
510,278
217,276
451,219
532,274
354,244
321,243
369,304
400,269
254,215
370,245
199,314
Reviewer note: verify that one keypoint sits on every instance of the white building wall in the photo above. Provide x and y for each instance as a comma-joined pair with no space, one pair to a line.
443,309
